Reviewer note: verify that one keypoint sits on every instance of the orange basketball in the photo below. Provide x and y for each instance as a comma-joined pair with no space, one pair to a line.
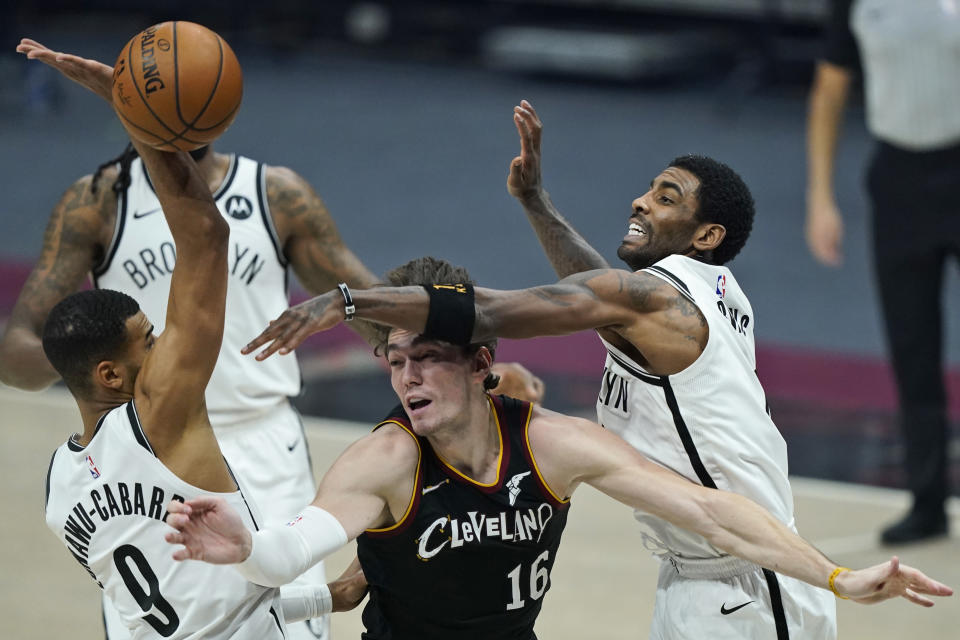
177,85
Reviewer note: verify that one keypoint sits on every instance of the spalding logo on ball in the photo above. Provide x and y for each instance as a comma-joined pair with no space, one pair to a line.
177,86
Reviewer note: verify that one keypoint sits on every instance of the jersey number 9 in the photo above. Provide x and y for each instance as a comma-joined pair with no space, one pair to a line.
150,598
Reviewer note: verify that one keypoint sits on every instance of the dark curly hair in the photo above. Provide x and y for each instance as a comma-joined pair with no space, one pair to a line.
423,272
724,199
84,329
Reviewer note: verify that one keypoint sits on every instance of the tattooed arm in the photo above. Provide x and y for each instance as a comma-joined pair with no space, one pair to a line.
566,249
74,242
664,328
320,259
310,239
640,313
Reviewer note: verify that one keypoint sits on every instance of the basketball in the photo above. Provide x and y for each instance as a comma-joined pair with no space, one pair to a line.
177,86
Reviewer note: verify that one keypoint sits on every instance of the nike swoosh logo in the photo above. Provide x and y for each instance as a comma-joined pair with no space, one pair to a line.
143,214
427,490
726,612
291,447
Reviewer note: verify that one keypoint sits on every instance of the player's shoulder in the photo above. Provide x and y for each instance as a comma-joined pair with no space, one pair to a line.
641,290
89,207
278,176
392,440
562,445
616,280
555,420
92,191
290,195
674,275
551,428
388,456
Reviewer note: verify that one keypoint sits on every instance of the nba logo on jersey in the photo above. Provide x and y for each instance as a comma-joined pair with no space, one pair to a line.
93,468
721,285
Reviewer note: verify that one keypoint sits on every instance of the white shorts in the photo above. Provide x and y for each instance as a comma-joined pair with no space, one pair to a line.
734,600
269,455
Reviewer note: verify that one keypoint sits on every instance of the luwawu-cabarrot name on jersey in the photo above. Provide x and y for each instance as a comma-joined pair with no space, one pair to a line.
527,525
107,502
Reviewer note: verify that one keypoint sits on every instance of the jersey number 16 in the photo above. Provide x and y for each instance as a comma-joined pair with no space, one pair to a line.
539,579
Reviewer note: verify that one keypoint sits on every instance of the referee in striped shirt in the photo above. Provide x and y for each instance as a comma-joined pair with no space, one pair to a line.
909,56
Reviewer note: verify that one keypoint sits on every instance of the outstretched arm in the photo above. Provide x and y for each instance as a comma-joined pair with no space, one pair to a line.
640,307
499,313
369,485
571,450
175,375
321,260
171,383
566,249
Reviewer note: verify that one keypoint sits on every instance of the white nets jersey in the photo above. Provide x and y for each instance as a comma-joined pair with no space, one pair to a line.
107,502
140,261
709,422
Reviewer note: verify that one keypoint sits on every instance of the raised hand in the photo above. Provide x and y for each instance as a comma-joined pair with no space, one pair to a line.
91,74
525,178
294,325
516,381
209,529
890,580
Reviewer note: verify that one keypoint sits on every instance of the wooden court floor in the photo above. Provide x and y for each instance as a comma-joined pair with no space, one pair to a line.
602,584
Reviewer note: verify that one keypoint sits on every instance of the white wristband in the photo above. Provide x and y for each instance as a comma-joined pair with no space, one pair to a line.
280,554
302,602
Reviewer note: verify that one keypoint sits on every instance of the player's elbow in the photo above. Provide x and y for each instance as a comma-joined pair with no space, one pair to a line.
24,368
733,523
208,232
217,231
25,381
710,523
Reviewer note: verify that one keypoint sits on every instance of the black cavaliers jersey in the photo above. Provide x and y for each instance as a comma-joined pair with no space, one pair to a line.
468,560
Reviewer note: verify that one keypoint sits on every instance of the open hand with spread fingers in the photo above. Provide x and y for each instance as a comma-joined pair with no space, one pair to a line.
209,530
525,175
889,580
91,74
296,324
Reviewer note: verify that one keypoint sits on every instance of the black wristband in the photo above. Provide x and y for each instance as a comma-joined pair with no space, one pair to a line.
452,314
349,309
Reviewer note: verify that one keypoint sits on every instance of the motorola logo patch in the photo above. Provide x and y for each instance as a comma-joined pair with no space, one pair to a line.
239,207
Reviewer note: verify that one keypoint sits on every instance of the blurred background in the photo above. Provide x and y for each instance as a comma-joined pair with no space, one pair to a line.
400,115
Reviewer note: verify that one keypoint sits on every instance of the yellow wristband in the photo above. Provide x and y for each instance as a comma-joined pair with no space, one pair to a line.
833,577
